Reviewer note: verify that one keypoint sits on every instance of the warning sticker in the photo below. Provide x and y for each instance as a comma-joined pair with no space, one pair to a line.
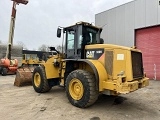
120,56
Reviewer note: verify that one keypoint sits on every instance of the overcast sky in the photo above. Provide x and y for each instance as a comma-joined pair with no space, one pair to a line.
37,22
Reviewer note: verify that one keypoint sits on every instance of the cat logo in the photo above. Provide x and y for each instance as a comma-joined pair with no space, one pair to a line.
90,54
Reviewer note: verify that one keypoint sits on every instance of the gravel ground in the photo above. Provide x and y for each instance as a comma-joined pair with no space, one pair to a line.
23,103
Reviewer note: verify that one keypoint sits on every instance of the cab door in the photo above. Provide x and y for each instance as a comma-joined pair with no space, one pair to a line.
70,44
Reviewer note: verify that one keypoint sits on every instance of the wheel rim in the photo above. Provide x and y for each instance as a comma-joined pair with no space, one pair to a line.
76,89
37,79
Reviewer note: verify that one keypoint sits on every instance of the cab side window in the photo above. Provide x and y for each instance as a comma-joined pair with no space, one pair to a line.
70,39
80,41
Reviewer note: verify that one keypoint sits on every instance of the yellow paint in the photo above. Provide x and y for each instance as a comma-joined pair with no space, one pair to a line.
108,46
50,69
121,59
121,80
37,79
119,64
101,72
76,89
31,59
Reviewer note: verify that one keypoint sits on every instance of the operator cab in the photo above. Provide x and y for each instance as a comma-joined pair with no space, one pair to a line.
77,36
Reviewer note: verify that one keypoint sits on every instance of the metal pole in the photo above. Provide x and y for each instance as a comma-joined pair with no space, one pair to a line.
11,31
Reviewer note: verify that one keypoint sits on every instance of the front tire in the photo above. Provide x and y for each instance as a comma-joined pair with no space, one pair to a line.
81,88
39,80
4,72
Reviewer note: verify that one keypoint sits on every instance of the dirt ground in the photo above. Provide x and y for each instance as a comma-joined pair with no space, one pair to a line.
23,103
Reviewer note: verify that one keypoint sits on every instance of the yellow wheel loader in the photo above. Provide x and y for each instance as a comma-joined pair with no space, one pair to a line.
88,67
30,60
24,72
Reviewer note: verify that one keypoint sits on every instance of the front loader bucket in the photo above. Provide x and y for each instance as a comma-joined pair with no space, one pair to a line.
24,76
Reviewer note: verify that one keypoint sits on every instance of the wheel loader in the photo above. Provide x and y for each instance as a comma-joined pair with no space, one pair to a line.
30,60
88,67
24,72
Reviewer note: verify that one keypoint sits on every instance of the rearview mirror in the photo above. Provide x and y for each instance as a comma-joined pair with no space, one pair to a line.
59,32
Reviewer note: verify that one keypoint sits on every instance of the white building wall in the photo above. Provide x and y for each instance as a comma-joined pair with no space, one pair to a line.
111,28
120,25
140,13
151,12
158,12
129,24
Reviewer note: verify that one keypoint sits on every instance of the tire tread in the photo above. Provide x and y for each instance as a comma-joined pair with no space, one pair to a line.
91,86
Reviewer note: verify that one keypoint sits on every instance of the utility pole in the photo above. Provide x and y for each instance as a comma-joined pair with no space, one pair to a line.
12,25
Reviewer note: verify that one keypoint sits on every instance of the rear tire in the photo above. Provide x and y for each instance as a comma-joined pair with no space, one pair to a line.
4,72
81,88
39,80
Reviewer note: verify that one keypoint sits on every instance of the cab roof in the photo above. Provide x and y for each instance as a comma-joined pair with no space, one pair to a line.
85,24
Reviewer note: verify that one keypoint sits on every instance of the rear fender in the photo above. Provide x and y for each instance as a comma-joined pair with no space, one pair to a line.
101,73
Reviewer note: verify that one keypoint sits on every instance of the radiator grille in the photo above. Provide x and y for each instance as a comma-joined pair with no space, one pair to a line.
137,65
109,62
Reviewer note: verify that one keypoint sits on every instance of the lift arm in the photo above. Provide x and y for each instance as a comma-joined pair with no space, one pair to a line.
12,25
